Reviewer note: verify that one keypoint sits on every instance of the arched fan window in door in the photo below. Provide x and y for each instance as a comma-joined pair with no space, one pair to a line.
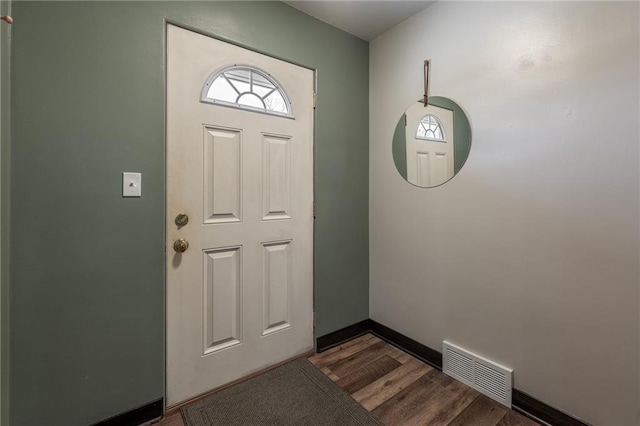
430,128
245,87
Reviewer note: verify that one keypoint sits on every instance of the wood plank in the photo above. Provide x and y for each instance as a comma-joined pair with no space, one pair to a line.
343,351
399,354
402,357
348,365
367,374
358,340
329,374
513,418
483,411
408,403
446,405
376,393
423,352
440,378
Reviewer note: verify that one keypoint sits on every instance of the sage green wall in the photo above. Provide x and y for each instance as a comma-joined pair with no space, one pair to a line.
399,146
87,266
5,34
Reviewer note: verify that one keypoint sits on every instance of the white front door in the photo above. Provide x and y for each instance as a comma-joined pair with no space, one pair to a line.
240,166
429,136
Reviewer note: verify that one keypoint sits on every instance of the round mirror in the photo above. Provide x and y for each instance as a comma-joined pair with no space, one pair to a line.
431,144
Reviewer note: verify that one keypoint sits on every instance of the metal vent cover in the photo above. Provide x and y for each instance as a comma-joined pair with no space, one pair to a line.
485,376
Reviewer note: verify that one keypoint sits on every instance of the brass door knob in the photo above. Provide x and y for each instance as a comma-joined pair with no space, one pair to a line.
181,245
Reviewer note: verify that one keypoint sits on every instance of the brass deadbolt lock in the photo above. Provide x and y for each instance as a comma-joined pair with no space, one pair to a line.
182,219
181,245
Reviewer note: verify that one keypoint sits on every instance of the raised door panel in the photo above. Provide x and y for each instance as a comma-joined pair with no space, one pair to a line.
222,175
276,177
423,169
222,298
441,168
276,286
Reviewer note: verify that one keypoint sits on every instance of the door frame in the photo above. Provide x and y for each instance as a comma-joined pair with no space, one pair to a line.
5,151
166,23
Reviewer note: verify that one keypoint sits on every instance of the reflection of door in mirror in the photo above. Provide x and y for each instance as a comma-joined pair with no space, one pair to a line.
429,136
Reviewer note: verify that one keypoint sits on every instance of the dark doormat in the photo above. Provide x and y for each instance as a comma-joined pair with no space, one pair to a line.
295,394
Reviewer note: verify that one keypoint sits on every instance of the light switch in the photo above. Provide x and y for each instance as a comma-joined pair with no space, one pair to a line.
131,184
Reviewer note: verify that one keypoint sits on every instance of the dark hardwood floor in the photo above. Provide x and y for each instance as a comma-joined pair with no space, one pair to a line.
401,390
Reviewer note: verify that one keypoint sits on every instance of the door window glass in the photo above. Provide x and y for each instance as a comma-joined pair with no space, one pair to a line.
430,128
246,88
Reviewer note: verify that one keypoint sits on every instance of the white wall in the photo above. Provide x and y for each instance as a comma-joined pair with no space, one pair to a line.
530,255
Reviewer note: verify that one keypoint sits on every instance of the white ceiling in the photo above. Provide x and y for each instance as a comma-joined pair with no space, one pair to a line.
366,19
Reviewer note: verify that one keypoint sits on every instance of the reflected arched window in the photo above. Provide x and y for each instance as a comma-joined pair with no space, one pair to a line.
430,128
245,87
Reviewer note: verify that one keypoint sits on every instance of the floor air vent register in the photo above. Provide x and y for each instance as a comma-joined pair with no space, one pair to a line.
485,376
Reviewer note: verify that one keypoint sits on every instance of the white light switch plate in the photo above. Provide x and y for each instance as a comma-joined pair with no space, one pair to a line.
131,184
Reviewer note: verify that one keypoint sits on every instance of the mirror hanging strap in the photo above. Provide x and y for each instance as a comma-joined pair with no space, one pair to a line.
427,74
